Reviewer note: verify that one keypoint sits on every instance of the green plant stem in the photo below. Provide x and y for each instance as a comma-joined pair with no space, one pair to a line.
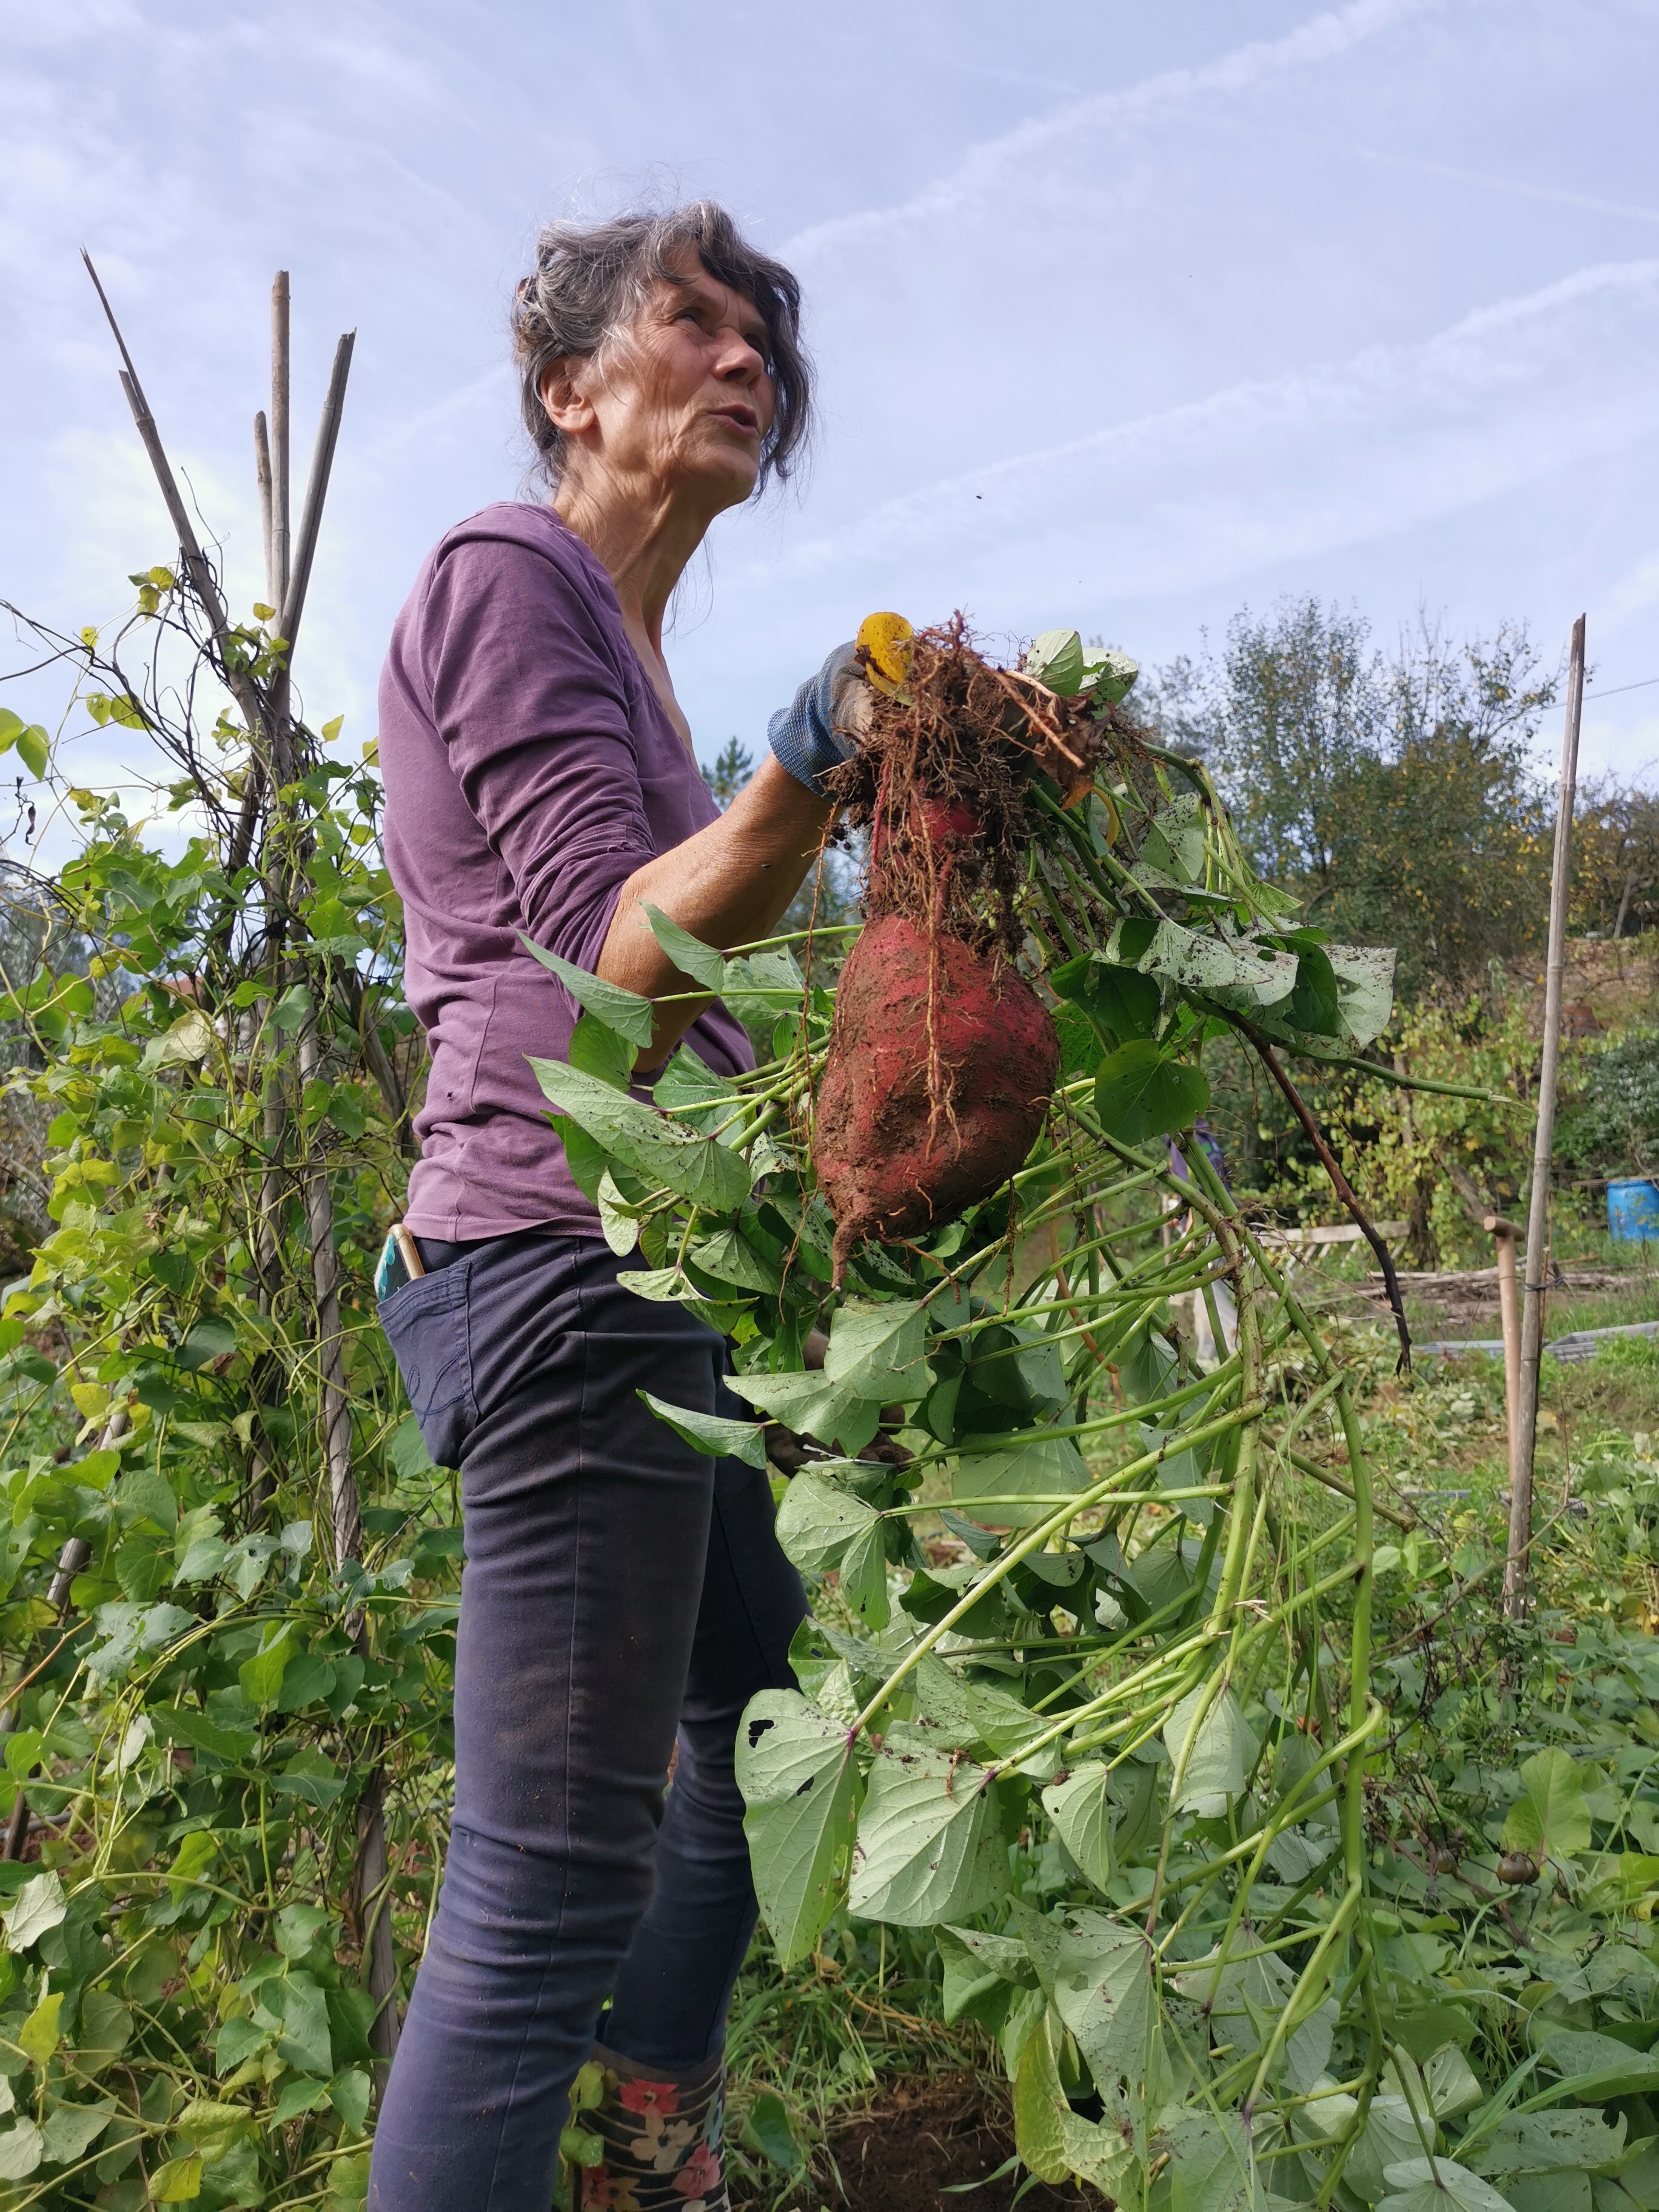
1207,1873
1382,1074
1035,1540
1061,1497
1207,1386
1310,1982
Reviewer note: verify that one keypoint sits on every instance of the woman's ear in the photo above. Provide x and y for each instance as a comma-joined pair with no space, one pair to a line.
568,408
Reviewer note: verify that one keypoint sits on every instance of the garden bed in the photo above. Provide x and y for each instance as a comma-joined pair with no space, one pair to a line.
918,2141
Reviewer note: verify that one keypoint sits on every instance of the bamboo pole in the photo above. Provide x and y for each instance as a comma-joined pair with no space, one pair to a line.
292,603
370,1868
279,439
1504,1233
1515,1571
262,474
203,582
274,1114
370,1871
1340,1184
345,1516
346,1511
271,461
291,606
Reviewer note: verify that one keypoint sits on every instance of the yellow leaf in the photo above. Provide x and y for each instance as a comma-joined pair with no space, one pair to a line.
189,1038
177,2182
205,2121
90,1399
38,2035
81,1172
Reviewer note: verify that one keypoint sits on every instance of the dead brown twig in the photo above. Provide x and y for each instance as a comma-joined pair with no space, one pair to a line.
1340,1182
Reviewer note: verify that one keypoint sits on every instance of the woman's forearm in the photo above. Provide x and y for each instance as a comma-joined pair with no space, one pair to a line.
727,885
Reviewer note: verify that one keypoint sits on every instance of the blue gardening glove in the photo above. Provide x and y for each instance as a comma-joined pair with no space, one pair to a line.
818,729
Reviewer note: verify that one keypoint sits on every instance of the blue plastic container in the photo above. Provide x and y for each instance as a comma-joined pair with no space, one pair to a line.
1632,1211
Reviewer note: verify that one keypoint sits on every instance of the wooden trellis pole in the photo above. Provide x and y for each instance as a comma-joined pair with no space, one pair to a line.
1515,1566
1504,1235
272,767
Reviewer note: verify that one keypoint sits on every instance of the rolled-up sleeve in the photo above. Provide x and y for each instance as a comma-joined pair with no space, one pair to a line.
533,711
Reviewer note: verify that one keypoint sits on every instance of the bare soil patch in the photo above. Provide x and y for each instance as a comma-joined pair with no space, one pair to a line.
917,2140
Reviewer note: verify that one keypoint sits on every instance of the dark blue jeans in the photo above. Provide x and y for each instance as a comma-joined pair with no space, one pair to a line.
619,1589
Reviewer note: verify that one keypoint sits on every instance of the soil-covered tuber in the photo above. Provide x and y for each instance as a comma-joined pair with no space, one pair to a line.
896,1152
942,1058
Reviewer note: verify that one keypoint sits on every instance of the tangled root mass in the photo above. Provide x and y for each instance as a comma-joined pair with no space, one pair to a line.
942,1058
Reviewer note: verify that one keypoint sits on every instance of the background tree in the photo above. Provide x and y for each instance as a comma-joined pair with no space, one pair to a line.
733,766
1393,793
1615,888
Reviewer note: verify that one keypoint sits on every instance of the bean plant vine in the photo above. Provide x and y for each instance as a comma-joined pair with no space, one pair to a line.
1148,1547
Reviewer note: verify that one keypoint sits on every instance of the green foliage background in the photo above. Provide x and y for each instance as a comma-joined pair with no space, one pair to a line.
207,1715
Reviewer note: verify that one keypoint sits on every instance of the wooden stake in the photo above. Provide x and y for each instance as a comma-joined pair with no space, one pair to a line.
1532,1316
261,477
270,463
197,569
1504,1233
202,579
370,1879
279,444
292,603
372,1862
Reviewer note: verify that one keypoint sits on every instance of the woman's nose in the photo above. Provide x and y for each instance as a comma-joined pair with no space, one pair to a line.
743,359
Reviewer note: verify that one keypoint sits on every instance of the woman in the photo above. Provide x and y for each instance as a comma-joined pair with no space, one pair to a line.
619,1590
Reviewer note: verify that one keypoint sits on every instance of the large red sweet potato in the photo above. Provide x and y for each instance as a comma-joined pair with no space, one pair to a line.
896,1153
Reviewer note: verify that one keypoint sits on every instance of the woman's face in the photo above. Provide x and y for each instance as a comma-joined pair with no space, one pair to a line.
684,399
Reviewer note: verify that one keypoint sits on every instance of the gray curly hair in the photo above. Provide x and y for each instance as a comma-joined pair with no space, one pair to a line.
592,279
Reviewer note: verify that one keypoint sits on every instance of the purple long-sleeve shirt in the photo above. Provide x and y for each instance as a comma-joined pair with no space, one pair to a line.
530,769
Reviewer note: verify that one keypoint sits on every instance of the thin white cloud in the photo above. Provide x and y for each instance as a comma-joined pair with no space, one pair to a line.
1520,187
978,174
463,404
1329,455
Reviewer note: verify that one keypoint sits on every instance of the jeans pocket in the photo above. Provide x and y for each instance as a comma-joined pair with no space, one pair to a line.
426,1324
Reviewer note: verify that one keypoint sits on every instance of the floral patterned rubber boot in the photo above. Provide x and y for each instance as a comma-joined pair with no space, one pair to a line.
660,2135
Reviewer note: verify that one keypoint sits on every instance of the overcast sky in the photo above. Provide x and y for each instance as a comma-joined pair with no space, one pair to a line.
1126,317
